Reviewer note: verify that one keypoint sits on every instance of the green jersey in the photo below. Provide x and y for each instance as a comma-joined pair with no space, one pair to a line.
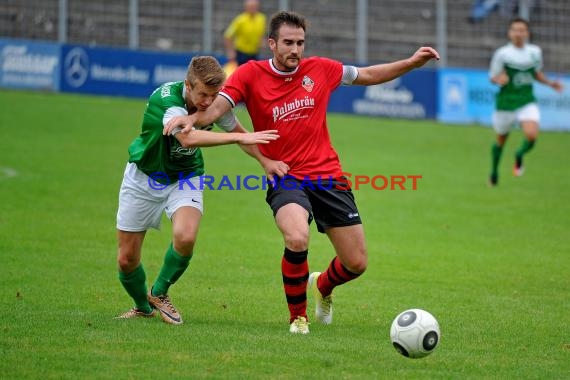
521,66
154,153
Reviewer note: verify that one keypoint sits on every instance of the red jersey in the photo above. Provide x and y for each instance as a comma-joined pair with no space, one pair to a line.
294,103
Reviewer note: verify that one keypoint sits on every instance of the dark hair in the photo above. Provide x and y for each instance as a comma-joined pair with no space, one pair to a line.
521,20
288,18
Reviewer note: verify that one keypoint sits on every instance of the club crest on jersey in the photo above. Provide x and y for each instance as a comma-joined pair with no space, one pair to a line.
307,83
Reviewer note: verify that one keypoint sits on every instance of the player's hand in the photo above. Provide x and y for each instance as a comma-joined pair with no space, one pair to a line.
423,55
184,122
274,169
558,86
501,79
264,137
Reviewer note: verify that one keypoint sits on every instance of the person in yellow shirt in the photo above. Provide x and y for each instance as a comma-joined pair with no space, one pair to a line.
244,36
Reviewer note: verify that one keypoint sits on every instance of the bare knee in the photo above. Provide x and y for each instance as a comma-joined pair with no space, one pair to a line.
184,243
297,241
129,256
357,262
127,260
530,130
501,139
360,266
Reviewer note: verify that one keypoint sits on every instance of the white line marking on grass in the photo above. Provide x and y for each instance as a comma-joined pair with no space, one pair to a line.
8,173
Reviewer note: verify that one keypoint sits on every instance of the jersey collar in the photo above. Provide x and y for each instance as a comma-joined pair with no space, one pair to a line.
184,96
277,71
518,48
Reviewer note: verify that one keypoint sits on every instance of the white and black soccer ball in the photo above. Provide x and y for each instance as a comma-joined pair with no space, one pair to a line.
415,333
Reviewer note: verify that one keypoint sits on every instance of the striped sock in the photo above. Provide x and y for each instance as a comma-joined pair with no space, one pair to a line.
335,275
295,270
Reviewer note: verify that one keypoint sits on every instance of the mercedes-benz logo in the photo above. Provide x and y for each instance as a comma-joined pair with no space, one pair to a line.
76,66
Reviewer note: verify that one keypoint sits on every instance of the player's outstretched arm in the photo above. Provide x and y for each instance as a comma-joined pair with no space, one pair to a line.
270,167
201,118
554,84
377,74
199,138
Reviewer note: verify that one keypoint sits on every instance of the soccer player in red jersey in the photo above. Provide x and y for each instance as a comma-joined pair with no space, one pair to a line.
290,93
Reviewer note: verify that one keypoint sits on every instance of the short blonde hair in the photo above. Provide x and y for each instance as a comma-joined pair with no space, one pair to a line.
207,70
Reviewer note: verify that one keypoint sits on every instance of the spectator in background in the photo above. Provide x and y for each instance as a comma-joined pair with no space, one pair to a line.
483,8
244,36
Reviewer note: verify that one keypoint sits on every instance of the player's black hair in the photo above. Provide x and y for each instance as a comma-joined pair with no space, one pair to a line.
521,20
288,18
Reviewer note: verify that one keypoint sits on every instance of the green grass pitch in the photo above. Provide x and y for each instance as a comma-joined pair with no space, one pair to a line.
493,265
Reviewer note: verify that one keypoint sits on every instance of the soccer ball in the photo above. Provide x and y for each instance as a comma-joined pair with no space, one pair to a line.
415,333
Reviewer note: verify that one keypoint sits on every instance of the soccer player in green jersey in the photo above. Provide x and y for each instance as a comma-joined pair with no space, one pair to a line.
514,67
163,175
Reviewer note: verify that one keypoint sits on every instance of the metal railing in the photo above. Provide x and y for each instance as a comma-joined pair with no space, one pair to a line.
356,31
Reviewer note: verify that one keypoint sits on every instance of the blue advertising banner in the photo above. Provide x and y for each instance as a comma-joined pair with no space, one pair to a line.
467,96
29,65
412,96
119,72
453,95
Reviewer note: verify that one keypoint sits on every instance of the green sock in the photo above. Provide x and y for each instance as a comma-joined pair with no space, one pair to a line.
525,147
496,151
173,267
135,284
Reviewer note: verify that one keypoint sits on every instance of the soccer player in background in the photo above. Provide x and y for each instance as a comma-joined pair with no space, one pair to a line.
290,93
514,67
243,38
151,183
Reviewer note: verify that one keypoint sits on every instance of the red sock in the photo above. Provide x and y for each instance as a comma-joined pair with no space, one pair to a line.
335,275
295,270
